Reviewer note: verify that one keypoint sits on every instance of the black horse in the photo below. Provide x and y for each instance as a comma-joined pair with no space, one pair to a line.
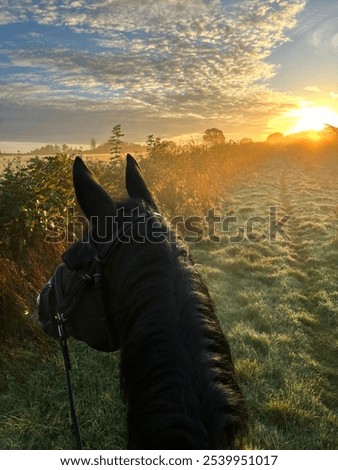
132,286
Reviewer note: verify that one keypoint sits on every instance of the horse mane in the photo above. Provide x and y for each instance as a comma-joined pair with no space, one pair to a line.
176,368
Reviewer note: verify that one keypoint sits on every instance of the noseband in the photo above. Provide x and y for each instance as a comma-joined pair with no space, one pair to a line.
66,303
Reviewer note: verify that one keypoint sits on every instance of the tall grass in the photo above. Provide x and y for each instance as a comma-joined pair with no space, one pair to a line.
22,341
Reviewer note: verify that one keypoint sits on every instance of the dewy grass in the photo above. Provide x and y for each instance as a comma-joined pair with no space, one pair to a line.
277,303
35,414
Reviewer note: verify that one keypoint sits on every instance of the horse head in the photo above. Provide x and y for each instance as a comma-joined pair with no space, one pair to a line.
74,294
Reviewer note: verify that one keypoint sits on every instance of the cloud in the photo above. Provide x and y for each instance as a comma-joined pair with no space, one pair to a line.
13,11
314,89
173,59
323,33
334,41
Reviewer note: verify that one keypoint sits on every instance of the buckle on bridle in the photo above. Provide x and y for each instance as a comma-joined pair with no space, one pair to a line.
86,278
60,324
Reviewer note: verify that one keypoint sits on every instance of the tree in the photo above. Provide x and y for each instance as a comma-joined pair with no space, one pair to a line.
246,141
115,141
213,137
331,131
155,145
275,138
92,143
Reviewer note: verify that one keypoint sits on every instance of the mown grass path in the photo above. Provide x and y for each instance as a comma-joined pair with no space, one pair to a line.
277,301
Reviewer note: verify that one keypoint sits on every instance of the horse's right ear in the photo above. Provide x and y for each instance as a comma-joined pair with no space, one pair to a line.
135,184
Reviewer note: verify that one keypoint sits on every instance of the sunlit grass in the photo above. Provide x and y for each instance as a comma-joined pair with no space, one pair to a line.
278,305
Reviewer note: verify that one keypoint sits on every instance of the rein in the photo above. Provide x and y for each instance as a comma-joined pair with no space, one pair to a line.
65,305
66,361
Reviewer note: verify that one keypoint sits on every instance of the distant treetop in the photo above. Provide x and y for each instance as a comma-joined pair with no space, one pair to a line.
213,136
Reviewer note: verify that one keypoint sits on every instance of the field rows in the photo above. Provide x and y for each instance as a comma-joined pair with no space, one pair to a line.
278,304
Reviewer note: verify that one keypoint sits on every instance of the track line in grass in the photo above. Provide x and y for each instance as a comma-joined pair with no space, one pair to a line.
277,305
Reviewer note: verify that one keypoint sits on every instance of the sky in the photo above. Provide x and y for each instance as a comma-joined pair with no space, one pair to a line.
71,70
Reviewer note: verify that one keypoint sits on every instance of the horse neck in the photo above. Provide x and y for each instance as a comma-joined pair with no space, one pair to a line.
168,334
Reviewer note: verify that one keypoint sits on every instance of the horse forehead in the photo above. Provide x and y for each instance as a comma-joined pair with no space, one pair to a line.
78,255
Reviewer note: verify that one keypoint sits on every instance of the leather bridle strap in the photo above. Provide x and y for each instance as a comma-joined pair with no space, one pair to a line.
66,303
64,307
66,361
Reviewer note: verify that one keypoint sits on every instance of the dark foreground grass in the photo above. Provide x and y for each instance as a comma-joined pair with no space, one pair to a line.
277,302
35,410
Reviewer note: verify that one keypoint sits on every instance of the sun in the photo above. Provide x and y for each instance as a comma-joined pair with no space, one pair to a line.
308,118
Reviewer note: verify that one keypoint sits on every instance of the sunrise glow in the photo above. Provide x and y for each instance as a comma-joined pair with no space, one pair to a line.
311,119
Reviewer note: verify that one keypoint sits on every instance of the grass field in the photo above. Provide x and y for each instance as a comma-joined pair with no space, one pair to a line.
278,305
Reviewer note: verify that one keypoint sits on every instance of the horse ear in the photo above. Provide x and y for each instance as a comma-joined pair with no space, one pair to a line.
92,198
135,184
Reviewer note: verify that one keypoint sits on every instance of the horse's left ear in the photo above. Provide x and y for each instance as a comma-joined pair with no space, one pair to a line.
92,198
135,184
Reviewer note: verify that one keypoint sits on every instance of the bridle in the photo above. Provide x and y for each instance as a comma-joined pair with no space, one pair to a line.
101,253
65,303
